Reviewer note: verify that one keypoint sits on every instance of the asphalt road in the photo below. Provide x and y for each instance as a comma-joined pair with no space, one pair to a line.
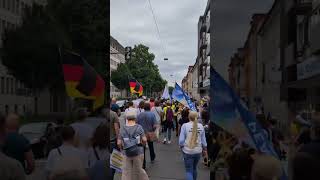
169,164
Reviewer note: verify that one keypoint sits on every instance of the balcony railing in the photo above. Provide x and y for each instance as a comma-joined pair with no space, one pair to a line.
303,7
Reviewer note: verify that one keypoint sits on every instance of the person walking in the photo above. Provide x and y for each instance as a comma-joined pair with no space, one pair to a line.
168,123
9,168
192,142
17,146
83,132
152,102
148,121
140,107
131,108
132,139
115,107
67,150
158,112
98,154
114,133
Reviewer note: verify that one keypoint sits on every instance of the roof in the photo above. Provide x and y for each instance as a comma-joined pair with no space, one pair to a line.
115,44
268,15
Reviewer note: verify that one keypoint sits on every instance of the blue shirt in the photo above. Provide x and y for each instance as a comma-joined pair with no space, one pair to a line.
147,120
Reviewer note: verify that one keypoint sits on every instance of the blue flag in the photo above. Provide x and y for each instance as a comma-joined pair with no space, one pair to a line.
179,95
229,112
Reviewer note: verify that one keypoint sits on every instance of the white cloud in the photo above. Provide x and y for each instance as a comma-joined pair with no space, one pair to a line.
132,23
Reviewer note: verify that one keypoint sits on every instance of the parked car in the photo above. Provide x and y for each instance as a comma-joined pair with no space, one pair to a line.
39,134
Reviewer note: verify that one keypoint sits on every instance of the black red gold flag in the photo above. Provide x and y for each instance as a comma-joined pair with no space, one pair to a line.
135,87
81,80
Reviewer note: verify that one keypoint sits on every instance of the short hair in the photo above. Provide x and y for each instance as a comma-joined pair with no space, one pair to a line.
156,103
147,107
141,104
266,167
130,103
67,133
151,99
100,137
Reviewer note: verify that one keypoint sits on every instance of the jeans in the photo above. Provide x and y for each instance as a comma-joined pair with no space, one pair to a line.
168,134
191,162
152,153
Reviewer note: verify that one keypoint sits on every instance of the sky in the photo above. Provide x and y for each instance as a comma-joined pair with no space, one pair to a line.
132,23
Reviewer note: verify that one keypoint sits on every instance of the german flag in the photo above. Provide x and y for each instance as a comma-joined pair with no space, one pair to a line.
135,87
81,80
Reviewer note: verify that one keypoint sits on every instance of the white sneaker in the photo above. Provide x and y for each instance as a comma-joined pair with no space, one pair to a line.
164,141
169,142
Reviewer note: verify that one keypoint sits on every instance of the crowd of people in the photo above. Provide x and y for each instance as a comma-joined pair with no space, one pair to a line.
152,121
81,153
230,158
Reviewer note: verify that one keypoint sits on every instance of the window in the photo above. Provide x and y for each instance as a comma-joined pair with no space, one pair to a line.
263,73
7,109
7,85
12,85
17,7
16,109
2,85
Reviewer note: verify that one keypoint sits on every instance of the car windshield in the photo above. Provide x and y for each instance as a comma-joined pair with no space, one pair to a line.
33,128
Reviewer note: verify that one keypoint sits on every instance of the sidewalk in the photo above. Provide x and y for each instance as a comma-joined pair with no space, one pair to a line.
169,164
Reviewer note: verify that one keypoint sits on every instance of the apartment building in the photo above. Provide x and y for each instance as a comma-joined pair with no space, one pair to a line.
205,48
117,56
301,60
15,97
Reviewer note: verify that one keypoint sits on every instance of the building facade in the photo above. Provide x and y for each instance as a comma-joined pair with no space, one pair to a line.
15,97
301,60
117,56
205,49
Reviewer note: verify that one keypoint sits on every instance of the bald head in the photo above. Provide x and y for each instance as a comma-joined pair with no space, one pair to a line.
12,122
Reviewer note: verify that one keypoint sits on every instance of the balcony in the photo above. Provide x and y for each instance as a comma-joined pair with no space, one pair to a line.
203,43
303,7
203,27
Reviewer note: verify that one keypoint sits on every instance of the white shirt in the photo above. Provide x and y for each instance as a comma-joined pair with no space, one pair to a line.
66,151
185,136
84,133
103,154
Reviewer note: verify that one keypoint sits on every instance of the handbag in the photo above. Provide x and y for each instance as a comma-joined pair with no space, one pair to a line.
151,136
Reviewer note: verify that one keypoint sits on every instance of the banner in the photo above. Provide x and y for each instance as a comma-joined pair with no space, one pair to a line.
165,94
230,113
179,95
116,160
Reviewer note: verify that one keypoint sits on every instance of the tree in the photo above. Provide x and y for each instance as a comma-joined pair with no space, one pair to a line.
171,89
119,78
30,52
143,69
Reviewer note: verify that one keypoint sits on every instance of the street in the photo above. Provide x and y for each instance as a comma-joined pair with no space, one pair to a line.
169,164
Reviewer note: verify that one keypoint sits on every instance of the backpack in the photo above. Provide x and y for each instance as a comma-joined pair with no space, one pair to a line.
169,114
131,144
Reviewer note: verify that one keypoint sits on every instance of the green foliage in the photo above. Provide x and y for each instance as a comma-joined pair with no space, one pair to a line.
170,89
141,67
144,70
120,77
30,52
